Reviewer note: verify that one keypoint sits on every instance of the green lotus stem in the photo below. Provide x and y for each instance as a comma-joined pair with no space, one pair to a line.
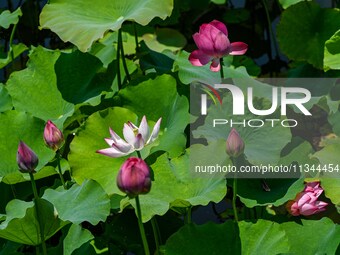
59,170
11,40
264,2
123,55
189,215
36,202
155,228
221,69
234,198
119,79
136,36
141,227
156,233
235,161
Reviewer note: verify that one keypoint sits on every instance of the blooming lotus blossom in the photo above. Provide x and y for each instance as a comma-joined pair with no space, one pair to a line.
134,177
26,158
135,139
234,144
306,202
213,43
53,137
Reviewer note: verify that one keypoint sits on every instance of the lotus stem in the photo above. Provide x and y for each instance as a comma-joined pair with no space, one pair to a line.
36,206
141,227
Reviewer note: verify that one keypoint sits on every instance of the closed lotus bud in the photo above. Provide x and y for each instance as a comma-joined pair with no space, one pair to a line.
26,158
235,144
306,202
134,177
53,136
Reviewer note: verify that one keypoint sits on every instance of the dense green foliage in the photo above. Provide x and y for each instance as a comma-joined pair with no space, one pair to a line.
90,65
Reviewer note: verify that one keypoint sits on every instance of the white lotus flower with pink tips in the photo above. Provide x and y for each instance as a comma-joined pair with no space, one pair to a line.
136,138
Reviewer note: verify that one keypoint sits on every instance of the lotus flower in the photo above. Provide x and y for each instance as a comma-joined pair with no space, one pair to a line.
135,139
26,158
234,144
134,177
306,202
213,43
53,137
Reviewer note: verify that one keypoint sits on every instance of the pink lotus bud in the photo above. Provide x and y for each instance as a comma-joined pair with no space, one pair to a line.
235,144
53,136
306,203
26,158
134,177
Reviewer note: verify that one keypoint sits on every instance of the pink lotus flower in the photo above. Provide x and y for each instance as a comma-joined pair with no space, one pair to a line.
134,177
306,202
53,137
135,139
213,43
234,144
26,158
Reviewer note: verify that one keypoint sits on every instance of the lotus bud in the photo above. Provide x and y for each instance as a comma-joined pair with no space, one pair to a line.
134,177
235,144
306,202
26,158
53,136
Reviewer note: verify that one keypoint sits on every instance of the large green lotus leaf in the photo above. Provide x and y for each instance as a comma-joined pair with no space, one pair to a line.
334,120
9,247
188,73
263,237
286,3
16,126
157,98
204,156
323,236
85,162
329,157
331,188
174,185
252,68
299,151
5,99
210,238
8,18
78,77
35,90
263,145
152,61
301,34
82,26
75,238
105,48
21,224
159,39
16,49
165,39
332,52
252,193
17,177
85,202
